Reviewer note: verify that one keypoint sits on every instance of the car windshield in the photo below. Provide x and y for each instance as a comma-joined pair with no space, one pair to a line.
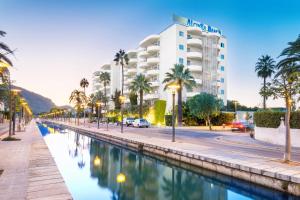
142,120
130,118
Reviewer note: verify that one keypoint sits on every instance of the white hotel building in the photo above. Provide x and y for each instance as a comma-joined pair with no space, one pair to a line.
200,47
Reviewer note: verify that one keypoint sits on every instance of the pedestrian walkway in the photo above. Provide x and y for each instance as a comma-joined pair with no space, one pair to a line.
29,169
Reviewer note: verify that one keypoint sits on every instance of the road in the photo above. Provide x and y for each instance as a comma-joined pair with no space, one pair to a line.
237,143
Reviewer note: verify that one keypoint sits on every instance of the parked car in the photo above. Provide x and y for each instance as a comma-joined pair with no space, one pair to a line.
141,123
128,121
241,126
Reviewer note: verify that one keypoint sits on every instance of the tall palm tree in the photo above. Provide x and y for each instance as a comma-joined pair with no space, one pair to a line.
84,84
140,85
265,67
121,58
4,51
183,77
292,53
105,79
78,98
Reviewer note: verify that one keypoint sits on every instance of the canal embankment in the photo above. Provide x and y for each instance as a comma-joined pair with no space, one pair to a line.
29,170
261,170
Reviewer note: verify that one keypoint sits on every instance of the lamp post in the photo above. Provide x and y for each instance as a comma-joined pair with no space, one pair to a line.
98,106
122,101
173,88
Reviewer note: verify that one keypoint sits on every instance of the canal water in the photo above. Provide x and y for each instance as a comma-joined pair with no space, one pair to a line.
94,169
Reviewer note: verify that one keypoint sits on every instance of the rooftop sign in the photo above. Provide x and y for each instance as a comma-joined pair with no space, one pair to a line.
193,23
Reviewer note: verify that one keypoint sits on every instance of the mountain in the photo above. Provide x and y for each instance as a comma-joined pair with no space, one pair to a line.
37,102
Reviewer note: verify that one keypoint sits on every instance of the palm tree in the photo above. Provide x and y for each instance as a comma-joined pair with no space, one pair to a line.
84,84
141,85
4,51
121,58
183,77
78,98
292,53
104,78
265,67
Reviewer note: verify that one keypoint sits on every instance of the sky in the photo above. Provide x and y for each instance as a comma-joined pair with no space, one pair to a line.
59,42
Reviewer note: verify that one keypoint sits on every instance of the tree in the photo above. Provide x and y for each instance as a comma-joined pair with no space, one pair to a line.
141,85
264,68
116,99
84,84
4,51
286,85
133,99
292,54
78,98
205,106
183,77
104,78
121,58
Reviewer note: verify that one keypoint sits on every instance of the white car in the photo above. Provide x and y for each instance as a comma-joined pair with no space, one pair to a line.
128,121
141,123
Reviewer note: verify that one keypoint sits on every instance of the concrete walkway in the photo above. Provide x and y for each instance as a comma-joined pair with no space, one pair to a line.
261,169
29,169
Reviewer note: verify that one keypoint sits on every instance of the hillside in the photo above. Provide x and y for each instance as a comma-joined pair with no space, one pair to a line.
37,102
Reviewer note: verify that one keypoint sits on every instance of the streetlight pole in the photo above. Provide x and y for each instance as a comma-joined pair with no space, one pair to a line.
173,116
173,87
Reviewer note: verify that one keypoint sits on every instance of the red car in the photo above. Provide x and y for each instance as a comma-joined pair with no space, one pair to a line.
240,126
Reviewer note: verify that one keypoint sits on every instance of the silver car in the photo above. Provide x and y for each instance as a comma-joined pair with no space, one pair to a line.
141,123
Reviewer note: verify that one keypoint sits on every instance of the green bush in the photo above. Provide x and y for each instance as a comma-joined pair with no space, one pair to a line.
159,111
271,119
168,120
223,118
113,119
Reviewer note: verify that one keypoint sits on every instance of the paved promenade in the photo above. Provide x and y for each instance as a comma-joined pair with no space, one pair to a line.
30,171
242,159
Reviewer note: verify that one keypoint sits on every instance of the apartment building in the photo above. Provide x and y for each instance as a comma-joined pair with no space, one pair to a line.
200,47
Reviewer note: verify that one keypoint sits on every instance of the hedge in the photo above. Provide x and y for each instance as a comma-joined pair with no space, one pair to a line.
271,119
223,118
168,120
159,111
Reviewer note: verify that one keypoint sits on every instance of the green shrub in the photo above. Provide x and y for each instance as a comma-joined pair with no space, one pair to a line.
159,111
271,119
168,120
223,118
113,119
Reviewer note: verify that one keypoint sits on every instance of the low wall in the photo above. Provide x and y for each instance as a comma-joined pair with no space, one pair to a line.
277,135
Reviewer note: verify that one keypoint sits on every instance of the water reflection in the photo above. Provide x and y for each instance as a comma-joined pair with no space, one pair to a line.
94,169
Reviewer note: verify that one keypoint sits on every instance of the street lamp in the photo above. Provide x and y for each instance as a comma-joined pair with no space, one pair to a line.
173,88
122,99
98,103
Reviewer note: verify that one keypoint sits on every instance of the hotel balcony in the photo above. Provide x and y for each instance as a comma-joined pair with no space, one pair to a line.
195,68
194,42
191,94
132,61
149,40
154,83
131,70
198,81
194,55
153,60
143,64
152,72
194,30
151,96
132,53
143,53
153,48
218,84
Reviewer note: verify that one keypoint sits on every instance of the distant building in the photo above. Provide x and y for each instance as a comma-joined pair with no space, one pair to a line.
200,47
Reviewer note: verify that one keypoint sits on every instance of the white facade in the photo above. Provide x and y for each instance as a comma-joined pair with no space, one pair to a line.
201,48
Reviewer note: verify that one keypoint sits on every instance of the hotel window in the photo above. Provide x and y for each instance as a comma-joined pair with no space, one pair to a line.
222,80
222,68
188,62
222,91
222,56
189,37
222,45
181,33
181,61
181,47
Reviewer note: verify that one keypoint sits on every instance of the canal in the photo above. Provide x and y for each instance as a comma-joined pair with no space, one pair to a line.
94,169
